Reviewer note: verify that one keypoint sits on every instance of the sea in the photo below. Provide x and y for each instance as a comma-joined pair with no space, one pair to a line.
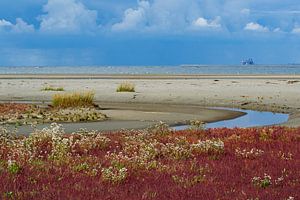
157,70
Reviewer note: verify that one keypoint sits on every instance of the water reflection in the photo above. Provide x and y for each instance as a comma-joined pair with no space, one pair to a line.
251,119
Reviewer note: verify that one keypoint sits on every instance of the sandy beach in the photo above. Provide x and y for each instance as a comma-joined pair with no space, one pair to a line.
174,99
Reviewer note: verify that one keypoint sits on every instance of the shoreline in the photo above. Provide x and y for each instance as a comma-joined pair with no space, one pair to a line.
149,76
124,116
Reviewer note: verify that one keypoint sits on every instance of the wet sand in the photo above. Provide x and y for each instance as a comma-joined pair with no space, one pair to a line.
160,98
140,116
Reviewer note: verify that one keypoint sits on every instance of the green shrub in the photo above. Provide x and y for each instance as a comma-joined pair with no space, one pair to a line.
8,195
262,182
81,167
114,174
14,168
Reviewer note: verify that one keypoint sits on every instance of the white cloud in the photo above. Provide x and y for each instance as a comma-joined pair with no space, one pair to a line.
279,12
159,15
256,27
245,11
204,23
4,23
133,17
175,16
277,30
20,27
67,16
296,30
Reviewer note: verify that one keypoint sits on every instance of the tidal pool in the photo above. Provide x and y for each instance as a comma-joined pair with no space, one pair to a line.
251,119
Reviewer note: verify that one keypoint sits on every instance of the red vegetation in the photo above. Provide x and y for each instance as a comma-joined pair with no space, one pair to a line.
248,153
12,108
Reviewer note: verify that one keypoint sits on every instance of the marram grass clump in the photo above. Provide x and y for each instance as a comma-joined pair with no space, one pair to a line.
126,87
76,99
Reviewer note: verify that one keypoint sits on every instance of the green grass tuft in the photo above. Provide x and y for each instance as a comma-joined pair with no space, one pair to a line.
76,99
50,88
126,87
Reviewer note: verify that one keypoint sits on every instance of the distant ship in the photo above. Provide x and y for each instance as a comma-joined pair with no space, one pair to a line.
248,62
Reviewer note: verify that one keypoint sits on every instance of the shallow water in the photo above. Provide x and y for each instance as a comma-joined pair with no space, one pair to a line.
251,119
184,69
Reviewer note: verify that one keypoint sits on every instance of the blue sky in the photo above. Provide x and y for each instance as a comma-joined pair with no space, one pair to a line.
152,32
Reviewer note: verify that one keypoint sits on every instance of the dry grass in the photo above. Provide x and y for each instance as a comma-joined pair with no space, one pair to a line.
50,88
76,99
126,87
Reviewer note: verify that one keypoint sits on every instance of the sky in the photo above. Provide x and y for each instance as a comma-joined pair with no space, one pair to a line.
148,32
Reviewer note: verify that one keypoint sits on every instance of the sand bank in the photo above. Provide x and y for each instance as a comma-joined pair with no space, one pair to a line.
166,94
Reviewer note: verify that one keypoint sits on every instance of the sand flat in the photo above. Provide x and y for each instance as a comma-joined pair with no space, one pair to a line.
278,93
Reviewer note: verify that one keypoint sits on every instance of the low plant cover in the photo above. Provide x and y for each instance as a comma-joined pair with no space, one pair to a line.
32,114
126,87
157,163
11,108
50,88
75,99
